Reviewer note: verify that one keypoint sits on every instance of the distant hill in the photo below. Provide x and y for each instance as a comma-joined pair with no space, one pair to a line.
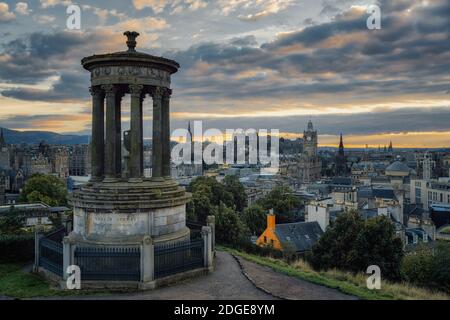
34,137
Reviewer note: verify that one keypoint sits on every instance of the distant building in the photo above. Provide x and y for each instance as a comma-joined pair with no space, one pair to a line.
79,160
305,167
429,192
296,237
341,162
5,156
62,163
41,164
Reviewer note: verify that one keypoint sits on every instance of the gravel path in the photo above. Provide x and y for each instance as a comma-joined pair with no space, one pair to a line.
285,287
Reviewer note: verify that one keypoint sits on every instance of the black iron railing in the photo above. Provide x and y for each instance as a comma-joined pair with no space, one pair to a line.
51,256
109,263
57,235
178,257
196,229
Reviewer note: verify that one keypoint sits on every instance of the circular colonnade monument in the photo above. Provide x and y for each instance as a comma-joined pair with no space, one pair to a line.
119,206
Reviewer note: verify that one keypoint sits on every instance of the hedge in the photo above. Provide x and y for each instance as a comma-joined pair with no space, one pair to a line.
16,248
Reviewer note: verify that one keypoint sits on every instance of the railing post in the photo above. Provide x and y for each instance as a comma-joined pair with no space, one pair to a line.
37,240
66,222
67,256
211,222
207,247
147,260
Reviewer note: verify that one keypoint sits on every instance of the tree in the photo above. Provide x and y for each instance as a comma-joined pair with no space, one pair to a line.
200,206
44,188
11,223
235,187
282,200
215,190
255,218
352,244
377,244
428,268
229,227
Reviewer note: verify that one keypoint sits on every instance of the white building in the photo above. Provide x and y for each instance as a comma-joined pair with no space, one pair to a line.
428,192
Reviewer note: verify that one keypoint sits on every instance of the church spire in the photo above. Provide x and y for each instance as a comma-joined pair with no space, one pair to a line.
341,164
341,143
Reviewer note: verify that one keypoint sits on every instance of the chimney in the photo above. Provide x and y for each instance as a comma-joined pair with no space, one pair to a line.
271,220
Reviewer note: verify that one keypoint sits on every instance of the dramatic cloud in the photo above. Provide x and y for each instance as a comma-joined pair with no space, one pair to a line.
176,6
267,63
52,3
5,14
22,8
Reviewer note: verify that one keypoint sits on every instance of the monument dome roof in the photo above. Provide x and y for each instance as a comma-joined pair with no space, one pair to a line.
398,166
131,57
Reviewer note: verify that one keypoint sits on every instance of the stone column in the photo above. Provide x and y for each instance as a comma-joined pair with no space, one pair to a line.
119,96
147,260
166,165
136,162
211,222
38,235
98,127
112,147
157,135
207,247
67,256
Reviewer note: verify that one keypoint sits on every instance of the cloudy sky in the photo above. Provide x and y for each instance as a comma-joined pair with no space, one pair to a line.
245,64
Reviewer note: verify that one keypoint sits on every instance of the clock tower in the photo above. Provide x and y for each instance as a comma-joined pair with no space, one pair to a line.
310,141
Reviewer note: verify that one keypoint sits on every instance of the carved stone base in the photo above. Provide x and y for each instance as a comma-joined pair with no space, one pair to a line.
125,212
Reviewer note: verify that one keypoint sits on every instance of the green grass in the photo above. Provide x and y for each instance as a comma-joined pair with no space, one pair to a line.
15,283
343,281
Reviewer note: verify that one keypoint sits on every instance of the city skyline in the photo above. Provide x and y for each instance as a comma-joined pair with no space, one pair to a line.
267,64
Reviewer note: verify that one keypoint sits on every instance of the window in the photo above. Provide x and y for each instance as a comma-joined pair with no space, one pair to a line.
265,239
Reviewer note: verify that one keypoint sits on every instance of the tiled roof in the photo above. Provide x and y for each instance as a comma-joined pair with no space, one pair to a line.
300,235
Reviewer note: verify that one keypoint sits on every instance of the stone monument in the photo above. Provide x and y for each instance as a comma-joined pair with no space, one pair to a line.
119,206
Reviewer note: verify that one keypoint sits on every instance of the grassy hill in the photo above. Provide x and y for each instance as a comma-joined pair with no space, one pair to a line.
34,137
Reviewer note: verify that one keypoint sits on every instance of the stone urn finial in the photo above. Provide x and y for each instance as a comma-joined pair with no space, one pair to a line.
131,40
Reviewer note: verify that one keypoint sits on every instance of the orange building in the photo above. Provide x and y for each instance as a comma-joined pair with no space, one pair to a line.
268,237
298,236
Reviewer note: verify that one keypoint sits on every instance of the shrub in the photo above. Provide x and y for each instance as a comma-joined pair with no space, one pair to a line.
428,268
16,248
352,244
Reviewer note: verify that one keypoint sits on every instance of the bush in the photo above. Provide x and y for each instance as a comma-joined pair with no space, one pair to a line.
229,227
352,244
16,248
44,188
251,248
428,268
